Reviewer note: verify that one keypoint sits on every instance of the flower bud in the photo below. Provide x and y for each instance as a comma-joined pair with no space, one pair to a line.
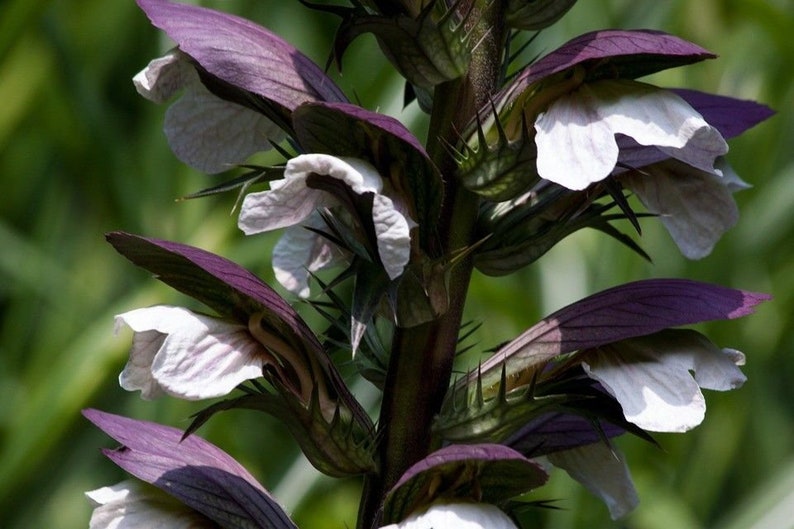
427,50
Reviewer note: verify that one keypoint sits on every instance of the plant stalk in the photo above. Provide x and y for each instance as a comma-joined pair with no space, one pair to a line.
422,357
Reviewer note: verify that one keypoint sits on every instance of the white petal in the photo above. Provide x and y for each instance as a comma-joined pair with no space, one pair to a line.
164,77
134,505
187,355
393,233
651,377
204,131
603,472
289,200
300,251
457,516
696,207
360,176
575,146
654,116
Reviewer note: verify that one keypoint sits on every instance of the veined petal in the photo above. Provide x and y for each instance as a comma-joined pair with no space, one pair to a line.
203,130
211,134
300,251
458,516
652,377
392,229
131,504
695,206
187,355
603,471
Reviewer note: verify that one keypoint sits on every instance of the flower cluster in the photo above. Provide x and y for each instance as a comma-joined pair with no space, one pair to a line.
513,165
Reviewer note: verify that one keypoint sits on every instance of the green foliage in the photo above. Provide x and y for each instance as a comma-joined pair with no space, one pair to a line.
81,154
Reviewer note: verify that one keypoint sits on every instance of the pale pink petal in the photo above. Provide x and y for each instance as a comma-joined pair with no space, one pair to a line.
134,505
212,134
603,471
651,377
197,357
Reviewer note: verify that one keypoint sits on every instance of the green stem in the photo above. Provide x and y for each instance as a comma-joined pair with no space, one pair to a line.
421,357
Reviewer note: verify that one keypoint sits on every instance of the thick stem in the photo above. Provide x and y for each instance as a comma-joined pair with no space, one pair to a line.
421,357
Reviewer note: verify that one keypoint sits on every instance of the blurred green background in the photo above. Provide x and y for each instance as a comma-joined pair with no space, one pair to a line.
82,154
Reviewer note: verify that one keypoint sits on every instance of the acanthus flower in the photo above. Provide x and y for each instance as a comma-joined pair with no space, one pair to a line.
256,335
612,348
296,199
240,84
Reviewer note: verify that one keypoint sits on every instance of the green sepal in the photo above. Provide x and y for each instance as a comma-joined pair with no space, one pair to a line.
338,447
471,415
521,231
501,170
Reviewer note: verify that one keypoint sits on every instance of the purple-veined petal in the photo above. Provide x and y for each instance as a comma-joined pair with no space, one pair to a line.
695,206
634,309
187,355
203,130
652,377
194,471
164,77
630,54
133,504
603,471
237,294
495,473
291,200
243,54
457,516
